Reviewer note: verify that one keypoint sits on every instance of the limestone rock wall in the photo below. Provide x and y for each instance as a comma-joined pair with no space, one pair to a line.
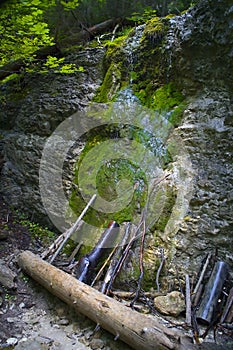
31,110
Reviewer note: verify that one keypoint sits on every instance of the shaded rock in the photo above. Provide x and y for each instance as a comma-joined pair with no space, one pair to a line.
63,322
12,341
7,276
30,344
30,115
97,344
171,304
3,235
214,346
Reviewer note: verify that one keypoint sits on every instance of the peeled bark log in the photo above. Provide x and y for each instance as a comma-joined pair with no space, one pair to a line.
139,331
87,34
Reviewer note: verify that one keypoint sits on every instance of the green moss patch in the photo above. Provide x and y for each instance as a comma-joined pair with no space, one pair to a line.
111,84
106,180
154,30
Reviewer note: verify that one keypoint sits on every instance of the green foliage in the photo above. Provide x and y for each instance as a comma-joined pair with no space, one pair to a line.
22,29
53,62
57,65
180,5
70,68
140,18
37,231
69,5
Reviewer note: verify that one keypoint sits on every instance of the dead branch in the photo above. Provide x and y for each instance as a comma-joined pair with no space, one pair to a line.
122,260
100,272
87,34
75,251
227,315
188,301
141,267
114,262
138,330
71,230
160,269
198,285
130,295
53,247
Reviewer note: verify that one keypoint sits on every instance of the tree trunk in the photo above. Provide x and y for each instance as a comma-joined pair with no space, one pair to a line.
138,330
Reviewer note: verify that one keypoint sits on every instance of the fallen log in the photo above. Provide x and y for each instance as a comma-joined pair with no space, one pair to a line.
80,37
138,330
87,34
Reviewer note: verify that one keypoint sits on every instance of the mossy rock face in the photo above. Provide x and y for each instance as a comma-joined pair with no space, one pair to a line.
115,48
155,30
115,67
111,84
147,77
110,173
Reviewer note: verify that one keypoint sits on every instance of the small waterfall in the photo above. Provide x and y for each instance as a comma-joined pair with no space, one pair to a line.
153,127
179,31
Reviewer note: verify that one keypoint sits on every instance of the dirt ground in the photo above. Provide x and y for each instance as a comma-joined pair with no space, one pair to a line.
32,318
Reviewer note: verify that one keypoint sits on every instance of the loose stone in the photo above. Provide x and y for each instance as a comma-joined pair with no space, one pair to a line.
171,304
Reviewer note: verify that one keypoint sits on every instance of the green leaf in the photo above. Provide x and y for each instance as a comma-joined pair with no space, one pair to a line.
69,5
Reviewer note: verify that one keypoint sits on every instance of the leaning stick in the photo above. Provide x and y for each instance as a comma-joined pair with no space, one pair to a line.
138,330
188,301
196,289
160,269
114,262
73,228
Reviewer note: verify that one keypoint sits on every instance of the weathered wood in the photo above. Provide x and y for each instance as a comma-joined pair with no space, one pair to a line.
87,34
71,230
139,331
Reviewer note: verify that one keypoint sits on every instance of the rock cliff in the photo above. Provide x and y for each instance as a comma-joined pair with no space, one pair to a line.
183,62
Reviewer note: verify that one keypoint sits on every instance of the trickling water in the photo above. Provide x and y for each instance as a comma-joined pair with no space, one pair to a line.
127,96
179,31
131,46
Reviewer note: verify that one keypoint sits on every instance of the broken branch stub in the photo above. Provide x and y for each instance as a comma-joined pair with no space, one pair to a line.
139,331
